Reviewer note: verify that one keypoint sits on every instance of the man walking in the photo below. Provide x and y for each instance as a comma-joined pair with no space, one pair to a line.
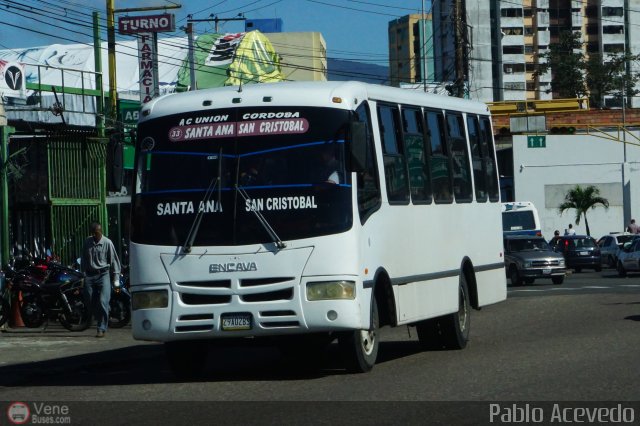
99,259
633,227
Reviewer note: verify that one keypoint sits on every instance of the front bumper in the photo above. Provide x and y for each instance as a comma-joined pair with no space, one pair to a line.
542,272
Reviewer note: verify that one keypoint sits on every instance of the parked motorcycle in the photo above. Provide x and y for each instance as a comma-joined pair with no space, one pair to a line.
120,304
49,290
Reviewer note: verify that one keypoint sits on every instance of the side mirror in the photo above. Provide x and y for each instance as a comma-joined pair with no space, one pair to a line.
358,146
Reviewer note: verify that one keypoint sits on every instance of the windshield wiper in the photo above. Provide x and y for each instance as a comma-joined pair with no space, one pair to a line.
263,221
191,236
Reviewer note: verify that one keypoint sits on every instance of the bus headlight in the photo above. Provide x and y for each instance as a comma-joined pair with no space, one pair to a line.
327,290
149,299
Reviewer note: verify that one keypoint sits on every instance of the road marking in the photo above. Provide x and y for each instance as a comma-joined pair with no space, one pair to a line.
597,286
629,285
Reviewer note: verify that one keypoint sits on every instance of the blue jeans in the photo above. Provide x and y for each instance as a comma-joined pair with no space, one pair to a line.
97,293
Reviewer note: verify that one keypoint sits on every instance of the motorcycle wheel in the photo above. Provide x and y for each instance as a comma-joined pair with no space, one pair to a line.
5,310
79,319
31,312
119,310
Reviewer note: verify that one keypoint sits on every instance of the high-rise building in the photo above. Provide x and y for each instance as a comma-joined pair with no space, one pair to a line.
503,42
410,49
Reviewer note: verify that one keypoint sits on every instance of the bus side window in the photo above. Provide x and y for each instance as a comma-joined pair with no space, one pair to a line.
477,158
369,198
395,169
491,169
414,143
440,169
459,157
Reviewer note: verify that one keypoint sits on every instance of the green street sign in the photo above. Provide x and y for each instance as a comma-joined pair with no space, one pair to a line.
536,141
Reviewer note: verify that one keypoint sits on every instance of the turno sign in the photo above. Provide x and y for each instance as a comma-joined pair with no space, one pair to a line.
147,29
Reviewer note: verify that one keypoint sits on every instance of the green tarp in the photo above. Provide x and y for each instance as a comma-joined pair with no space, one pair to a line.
231,59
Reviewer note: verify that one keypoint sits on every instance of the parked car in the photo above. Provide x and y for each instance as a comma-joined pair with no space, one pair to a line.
528,258
580,251
629,257
610,245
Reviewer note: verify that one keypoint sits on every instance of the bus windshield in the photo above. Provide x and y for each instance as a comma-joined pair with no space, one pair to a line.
288,164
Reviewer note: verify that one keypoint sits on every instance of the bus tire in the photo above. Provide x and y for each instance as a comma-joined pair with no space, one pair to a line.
187,359
360,347
448,331
455,327
514,275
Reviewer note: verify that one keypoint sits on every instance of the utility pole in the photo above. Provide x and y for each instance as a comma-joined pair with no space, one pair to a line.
215,19
423,50
111,48
192,66
461,44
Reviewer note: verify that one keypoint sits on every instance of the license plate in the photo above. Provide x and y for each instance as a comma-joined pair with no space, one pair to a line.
235,322
546,271
584,253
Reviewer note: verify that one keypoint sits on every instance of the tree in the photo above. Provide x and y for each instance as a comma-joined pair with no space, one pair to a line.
583,199
566,61
606,76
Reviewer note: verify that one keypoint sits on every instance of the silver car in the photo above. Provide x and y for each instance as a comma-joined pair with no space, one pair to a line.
610,246
528,258
629,257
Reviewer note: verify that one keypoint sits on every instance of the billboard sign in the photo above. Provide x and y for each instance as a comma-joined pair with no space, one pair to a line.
148,66
147,24
12,79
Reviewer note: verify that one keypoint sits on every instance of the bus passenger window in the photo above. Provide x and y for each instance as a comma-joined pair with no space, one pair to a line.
395,168
491,170
419,178
459,157
477,158
440,169
369,198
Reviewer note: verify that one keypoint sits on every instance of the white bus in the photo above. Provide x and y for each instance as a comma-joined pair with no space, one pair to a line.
303,212
520,218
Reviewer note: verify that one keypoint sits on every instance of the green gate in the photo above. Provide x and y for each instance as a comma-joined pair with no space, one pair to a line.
77,189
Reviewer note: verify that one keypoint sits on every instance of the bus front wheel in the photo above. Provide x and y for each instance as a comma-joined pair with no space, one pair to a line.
360,347
187,359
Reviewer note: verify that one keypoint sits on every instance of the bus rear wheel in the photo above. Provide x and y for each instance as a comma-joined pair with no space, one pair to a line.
449,331
360,347
187,359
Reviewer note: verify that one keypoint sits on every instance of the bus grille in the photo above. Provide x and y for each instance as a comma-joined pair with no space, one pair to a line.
206,284
204,299
270,296
264,281
538,263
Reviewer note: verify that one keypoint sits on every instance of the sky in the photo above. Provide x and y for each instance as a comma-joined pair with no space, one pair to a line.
353,29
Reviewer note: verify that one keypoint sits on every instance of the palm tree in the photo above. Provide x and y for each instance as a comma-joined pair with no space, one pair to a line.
583,199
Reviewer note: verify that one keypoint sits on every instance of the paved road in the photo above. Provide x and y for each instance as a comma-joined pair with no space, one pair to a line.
590,282
578,341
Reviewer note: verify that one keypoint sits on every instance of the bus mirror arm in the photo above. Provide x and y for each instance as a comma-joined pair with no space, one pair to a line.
358,146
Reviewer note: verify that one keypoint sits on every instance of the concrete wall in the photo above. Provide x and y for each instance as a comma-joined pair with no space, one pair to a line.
480,64
543,176
303,55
